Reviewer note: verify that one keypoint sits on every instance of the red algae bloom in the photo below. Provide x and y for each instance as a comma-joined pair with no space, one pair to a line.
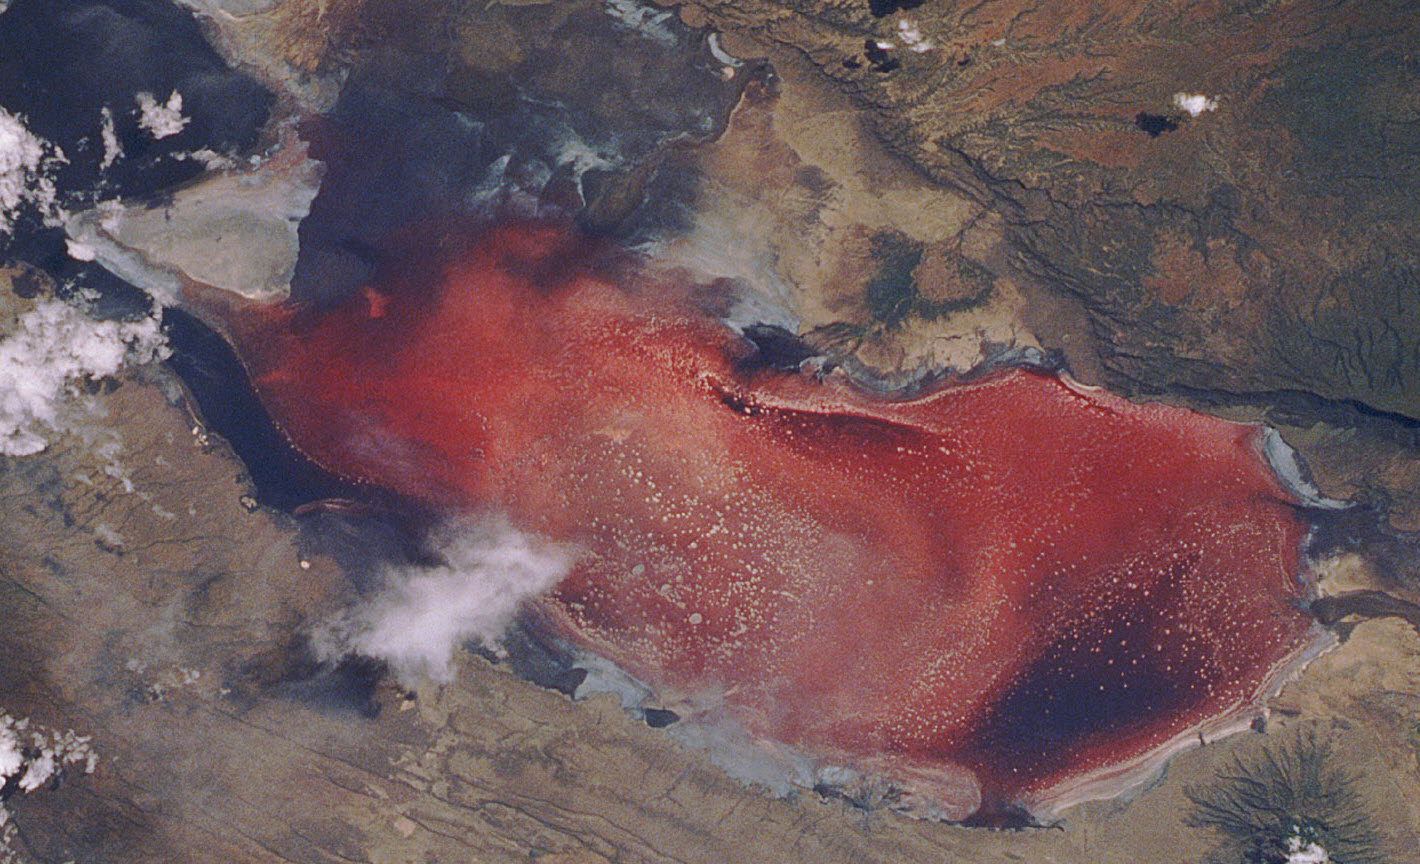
1015,589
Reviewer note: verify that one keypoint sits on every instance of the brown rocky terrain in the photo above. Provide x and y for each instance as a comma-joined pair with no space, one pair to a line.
1259,254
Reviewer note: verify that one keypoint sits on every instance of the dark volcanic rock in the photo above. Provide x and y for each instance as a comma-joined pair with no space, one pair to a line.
1155,124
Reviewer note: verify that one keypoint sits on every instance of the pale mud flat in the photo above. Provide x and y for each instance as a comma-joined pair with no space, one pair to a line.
166,622
235,229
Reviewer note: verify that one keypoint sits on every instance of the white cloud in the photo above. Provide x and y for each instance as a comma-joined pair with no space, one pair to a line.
1299,851
20,155
38,771
25,162
210,159
34,754
53,348
423,614
161,119
912,37
1194,103
647,21
112,149
11,760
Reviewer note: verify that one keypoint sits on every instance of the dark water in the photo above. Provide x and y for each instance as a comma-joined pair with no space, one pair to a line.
217,382
63,61
883,8
1155,124
581,127
1365,604
104,295
776,348
878,57
1119,673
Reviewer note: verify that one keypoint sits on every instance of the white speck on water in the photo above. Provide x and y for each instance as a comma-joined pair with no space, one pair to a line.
113,150
161,119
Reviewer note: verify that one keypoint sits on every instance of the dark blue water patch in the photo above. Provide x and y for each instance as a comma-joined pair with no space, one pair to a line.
350,685
535,656
217,382
291,670
1068,696
368,539
1155,124
883,8
879,57
1121,669
11,784
1001,816
391,158
660,718
1330,610
101,294
776,348
63,61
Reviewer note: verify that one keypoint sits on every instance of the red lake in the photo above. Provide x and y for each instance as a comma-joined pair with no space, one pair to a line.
997,589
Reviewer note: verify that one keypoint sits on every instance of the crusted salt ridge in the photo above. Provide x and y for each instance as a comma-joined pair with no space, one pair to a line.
1287,466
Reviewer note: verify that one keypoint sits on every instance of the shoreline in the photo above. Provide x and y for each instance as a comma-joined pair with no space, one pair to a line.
782,770
1131,777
